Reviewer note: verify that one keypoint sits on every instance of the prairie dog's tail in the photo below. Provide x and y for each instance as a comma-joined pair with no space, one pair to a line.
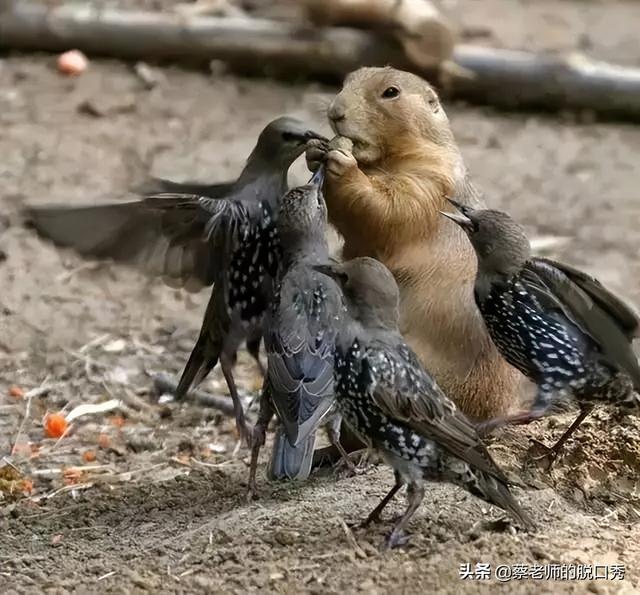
489,488
291,462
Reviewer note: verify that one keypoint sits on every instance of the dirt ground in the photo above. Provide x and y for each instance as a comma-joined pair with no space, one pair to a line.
150,497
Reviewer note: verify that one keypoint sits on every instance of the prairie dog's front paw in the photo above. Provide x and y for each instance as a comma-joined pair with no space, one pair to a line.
339,158
316,153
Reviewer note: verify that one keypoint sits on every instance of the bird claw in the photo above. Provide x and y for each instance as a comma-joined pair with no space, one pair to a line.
486,428
345,467
395,539
252,493
544,453
372,519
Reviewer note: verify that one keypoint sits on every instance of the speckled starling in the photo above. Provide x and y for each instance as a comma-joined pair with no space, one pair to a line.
396,407
230,242
560,327
299,335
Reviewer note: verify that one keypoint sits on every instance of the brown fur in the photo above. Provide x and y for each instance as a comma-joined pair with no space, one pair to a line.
388,207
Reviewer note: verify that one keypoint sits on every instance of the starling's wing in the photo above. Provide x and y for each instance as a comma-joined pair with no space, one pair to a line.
160,185
177,237
405,391
554,289
624,314
300,344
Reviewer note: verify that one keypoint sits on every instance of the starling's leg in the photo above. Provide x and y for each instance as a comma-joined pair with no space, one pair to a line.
374,515
551,452
329,455
520,418
253,347
333,433
415,494
241,423
258,436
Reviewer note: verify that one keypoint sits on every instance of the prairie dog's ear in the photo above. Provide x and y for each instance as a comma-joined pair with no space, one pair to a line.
432,100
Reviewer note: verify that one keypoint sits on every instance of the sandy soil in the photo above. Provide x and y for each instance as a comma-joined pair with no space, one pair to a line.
161,508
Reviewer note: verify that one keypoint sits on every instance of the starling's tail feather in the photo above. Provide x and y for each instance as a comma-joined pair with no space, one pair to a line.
202,360
496,492
489,488
291,462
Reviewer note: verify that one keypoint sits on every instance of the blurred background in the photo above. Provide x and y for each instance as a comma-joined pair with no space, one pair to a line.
181,90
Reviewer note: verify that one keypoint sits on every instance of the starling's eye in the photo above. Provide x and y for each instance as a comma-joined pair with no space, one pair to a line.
288,136
390,93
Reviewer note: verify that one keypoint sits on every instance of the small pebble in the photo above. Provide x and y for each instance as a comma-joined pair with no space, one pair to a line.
73,63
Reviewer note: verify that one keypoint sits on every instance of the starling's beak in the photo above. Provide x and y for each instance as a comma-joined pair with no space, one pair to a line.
332,271
462,220
302,138
317,178
456,204
311,135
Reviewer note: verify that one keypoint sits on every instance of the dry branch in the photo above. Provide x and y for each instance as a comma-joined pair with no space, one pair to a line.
247,44
504,78
425,34
164,384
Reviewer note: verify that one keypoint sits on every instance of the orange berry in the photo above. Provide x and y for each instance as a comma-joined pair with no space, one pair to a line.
117,420
16,392
26,486
55,425
71,476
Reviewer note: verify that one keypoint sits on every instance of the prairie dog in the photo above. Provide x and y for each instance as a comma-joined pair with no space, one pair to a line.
388,174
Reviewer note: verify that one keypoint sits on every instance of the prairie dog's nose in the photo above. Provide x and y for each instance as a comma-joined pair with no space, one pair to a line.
337,110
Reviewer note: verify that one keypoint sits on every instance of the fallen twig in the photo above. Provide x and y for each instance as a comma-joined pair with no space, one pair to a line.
35,392
351,539
164,384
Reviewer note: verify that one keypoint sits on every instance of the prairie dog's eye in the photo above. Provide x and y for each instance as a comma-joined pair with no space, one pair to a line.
390,92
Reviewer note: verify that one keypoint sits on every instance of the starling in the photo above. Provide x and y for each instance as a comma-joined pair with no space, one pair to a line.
386,396
299,335
229,242
561,328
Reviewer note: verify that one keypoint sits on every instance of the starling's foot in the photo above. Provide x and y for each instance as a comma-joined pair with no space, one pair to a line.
252,492
256,440
246,434
486,428
542,453
395,539
354,463
372,519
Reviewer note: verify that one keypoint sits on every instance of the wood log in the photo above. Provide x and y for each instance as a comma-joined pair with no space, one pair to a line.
503,78
248,45
425,34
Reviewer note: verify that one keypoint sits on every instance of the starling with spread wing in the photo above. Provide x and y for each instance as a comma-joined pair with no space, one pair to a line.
396,407
560,327
191,241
